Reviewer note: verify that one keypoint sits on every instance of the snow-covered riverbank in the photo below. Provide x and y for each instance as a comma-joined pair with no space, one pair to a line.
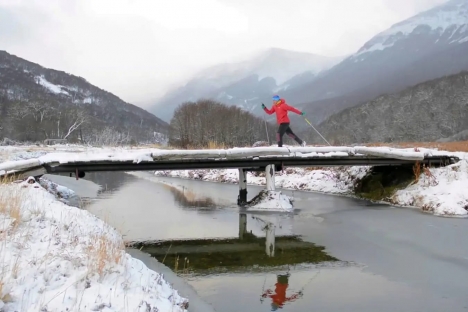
441,191
59,258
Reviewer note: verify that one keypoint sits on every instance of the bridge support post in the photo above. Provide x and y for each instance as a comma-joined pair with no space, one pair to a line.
270,240
270,177
242,199
242,225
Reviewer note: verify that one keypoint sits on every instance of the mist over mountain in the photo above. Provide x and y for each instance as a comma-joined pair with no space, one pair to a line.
245,83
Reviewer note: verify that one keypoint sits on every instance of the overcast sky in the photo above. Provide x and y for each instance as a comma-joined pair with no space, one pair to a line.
137,49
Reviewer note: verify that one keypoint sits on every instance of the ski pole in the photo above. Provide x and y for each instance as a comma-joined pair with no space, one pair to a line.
317,131
266,130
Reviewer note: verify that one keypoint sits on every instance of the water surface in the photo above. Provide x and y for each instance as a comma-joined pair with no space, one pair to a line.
338,254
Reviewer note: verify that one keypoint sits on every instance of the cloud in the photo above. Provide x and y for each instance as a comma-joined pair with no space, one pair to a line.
138,48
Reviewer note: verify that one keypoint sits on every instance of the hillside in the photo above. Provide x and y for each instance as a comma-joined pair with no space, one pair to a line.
429,111
38,103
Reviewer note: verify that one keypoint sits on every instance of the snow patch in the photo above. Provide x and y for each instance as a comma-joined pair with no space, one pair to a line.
270,201
88,100
57,89
62,193
441,191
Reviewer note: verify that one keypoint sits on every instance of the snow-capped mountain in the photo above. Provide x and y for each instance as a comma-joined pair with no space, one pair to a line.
243,82
448,22
426,46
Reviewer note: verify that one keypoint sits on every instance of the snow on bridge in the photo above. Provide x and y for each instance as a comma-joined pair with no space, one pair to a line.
268,159
247,158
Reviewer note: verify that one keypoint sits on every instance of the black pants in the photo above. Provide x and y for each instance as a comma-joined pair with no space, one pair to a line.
284,128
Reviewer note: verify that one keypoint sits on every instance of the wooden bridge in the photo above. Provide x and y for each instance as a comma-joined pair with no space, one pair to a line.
268,159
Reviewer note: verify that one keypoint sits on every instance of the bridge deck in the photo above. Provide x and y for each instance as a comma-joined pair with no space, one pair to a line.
242,158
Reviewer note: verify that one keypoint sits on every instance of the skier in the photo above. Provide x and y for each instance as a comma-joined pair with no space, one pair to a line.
279,298
281,108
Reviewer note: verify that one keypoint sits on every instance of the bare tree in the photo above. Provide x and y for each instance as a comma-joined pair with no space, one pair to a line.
78,118
208,122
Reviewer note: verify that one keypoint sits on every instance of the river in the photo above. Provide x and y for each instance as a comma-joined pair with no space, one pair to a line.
332,254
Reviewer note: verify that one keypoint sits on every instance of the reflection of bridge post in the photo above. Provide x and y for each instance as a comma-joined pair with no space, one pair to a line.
270,240
242,225
270,177
242,199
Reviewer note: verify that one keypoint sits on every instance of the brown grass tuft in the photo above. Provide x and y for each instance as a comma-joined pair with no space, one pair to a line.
316,168
7,179
210,145
431,179
417,171
216,145
10,205
101,251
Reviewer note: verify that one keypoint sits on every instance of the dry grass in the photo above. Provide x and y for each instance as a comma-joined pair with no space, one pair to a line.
417,171
102,250
460,146
10,205
11,200
4,179
316,168
210,145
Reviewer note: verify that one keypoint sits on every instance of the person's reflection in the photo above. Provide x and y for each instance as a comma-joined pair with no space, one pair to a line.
279,298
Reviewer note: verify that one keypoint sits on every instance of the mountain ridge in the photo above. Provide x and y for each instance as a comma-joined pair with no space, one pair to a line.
429,111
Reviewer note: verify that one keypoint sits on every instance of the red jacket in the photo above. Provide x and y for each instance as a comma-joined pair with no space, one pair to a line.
279,297
281,109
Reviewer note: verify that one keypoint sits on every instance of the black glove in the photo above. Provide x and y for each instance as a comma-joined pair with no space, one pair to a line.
263,106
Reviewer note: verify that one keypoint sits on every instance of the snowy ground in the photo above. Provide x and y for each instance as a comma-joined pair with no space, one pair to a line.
59,258
271,201
443,195
331,181
441,191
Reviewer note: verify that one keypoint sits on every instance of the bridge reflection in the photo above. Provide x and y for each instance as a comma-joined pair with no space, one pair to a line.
242,253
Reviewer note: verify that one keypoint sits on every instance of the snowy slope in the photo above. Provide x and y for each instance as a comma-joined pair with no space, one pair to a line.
61,258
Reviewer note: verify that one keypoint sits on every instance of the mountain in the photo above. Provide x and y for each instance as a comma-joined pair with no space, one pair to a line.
429,111
245,83
38,103
429,45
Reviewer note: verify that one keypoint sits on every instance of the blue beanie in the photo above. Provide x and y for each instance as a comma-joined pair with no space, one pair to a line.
276,98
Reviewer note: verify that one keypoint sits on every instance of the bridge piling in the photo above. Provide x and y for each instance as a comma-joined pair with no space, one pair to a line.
242,198
270,177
